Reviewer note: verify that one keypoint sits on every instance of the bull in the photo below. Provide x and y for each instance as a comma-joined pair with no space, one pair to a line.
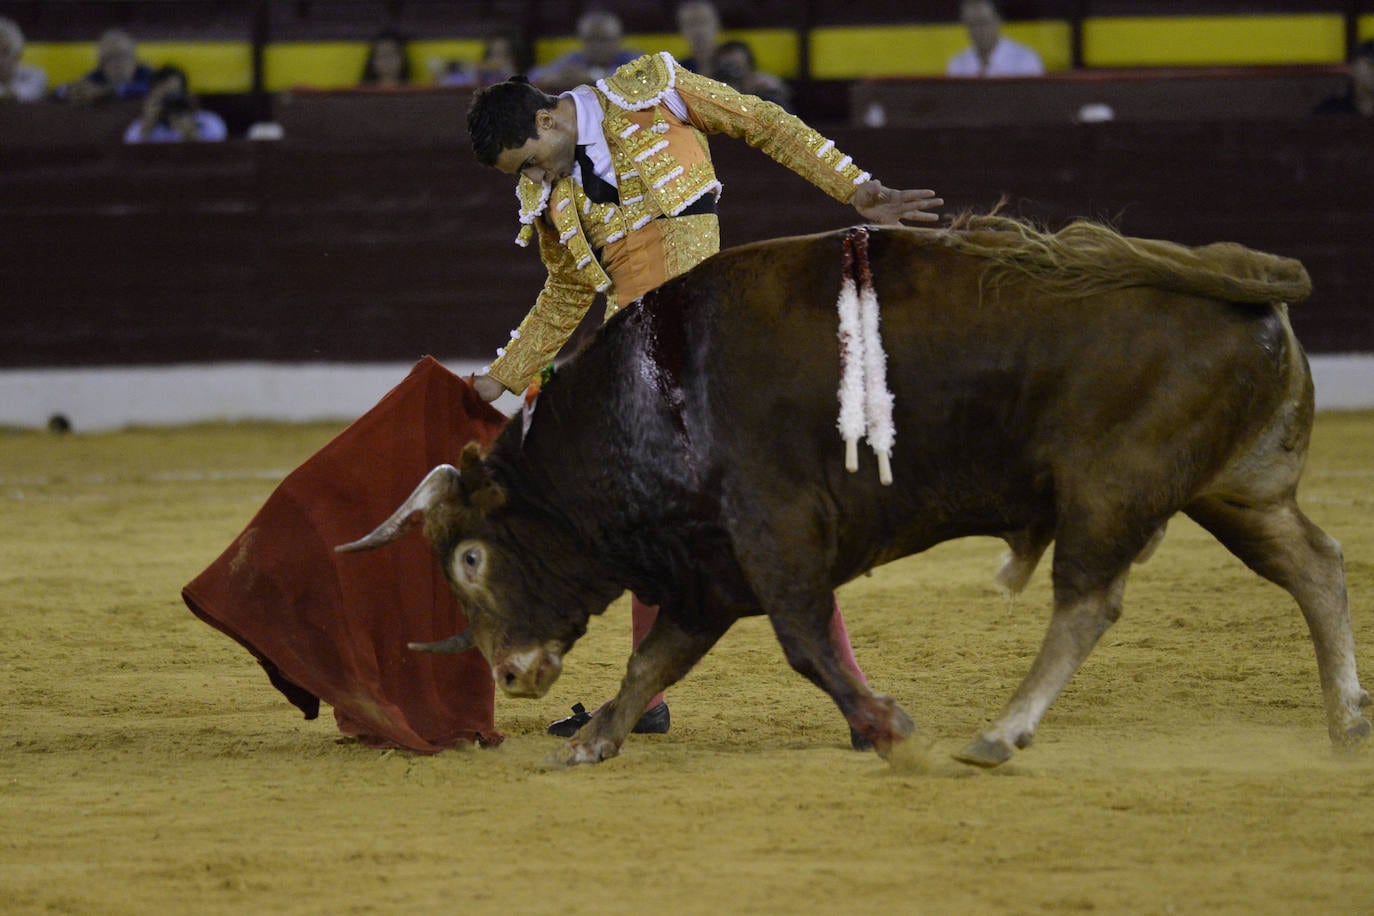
1077,387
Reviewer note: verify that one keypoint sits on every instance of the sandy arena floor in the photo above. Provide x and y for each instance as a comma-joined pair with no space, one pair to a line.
146,765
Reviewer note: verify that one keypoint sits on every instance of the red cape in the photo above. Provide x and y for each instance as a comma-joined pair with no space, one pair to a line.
334,627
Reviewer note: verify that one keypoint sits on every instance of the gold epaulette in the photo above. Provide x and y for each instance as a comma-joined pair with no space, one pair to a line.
534,198
642,83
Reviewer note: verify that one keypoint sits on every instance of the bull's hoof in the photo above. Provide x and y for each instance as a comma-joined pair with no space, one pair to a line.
913,755
984,752
578,752
1354,735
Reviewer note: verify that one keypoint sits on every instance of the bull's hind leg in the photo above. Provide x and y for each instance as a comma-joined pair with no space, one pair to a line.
1081,615
1280,543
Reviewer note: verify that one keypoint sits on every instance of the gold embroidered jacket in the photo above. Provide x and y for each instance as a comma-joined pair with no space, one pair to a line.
662,166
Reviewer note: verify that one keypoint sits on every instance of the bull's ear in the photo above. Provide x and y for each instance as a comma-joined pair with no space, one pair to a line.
481,491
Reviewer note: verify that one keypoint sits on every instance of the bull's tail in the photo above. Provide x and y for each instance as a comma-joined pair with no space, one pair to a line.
1085,258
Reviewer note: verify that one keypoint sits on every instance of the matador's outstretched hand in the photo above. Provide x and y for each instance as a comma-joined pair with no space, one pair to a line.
879,204
488,388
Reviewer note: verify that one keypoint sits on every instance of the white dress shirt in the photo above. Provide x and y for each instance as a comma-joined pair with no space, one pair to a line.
1008,58
592,135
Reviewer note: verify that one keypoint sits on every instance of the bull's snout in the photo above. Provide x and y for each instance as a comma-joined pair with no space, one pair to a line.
528,674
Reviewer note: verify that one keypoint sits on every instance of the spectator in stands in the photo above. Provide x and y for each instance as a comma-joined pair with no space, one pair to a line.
118,73
502,58
699,23
388,64
171,114
18,82
600,33
1358,98
177,119
734,65
990,52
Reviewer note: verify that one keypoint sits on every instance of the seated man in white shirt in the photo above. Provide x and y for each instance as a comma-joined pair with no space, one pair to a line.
991,53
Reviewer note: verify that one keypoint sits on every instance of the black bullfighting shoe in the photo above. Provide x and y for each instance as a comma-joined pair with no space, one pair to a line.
566,728
655,721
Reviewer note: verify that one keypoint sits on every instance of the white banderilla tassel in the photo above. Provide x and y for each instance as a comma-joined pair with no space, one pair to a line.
852,395
877,397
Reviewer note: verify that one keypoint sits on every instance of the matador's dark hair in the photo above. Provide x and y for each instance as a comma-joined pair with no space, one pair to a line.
502,117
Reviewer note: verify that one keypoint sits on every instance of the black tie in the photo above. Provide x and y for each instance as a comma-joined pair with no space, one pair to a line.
598,189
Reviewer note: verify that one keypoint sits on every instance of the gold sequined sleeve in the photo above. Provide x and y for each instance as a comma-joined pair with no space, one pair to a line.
557,311
715,108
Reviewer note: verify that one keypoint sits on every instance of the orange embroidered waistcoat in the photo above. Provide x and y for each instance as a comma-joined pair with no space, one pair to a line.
662,166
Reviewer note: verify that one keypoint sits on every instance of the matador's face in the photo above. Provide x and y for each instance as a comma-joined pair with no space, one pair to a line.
546,157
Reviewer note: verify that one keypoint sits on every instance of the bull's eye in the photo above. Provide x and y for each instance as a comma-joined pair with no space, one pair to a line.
469,562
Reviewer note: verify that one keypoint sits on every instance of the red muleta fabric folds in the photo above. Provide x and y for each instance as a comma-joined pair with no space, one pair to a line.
334,627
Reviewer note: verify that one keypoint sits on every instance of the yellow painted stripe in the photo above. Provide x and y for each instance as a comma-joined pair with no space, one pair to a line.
225,66
62,61
1186,41
211,66
430,57
847,52
547,49
339,64
776,51
1052,39
317,65
921,50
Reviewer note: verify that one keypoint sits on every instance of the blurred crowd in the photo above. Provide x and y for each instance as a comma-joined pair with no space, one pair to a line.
600,50
172,112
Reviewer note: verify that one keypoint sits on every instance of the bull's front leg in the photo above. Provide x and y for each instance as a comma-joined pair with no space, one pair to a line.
805,638
662,659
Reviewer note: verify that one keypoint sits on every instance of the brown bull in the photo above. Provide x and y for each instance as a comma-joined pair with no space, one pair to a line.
1080,387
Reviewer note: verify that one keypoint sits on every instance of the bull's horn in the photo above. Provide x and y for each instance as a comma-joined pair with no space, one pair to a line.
437,484
459,642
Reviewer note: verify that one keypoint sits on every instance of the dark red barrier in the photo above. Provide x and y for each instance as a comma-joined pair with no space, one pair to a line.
327,251
1221,94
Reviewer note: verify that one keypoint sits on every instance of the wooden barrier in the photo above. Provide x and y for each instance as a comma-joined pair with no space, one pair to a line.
1140,95
313,249
53,125
375,117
